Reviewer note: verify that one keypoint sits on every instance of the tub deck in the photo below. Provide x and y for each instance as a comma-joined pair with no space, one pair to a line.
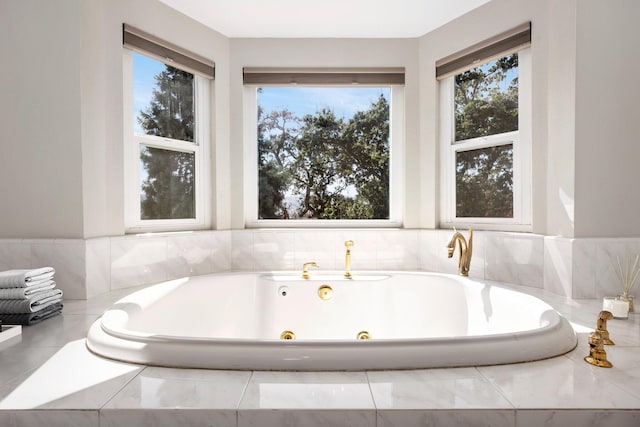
50,378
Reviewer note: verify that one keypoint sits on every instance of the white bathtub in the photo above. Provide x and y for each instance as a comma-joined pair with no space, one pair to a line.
415,320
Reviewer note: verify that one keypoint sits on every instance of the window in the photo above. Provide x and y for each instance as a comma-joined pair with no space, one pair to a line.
166,136
323,154
485,138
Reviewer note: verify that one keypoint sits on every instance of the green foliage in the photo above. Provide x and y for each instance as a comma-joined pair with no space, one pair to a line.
482,106
315,168
484,182
168,190
485,106
365,163
323,167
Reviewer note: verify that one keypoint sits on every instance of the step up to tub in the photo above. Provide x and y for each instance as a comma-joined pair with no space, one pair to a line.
9,335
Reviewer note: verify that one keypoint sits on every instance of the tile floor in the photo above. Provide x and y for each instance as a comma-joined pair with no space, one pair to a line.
49,378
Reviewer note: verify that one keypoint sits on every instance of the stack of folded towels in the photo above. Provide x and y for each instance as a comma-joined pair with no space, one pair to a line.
28,296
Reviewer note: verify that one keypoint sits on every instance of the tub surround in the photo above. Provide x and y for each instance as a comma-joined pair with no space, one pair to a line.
86,390
576,268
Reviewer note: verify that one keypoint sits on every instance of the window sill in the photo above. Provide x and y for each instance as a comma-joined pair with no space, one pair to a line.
319,223
479,226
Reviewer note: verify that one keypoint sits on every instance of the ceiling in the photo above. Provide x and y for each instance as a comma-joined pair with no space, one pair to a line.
324,18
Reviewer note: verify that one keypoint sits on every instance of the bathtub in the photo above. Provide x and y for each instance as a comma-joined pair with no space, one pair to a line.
279,321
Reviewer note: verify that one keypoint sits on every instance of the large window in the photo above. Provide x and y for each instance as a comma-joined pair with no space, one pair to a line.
322,155
166,144
485,139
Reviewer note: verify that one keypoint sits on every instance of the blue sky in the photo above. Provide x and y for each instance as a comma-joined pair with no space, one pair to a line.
144,70
344,101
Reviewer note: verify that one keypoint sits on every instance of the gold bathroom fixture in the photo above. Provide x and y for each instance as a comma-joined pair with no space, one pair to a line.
348,244
325,292
465,250
305,268
363,335
597,356
601,326
287,336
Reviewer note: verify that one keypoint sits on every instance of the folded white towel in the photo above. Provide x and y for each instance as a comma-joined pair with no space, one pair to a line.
24,293
24,278
32,304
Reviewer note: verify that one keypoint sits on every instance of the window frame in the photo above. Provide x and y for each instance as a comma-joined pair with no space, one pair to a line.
396,167
200,147
521,139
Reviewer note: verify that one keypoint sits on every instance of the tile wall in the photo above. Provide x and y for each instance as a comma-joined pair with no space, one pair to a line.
85,268
577,268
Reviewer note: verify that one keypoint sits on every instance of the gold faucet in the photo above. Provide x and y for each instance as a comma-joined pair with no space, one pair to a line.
465,250
601,326
348,244
597,356
305,268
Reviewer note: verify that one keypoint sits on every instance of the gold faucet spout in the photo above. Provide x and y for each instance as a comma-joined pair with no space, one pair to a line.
305,268
348,244
601,327
465,249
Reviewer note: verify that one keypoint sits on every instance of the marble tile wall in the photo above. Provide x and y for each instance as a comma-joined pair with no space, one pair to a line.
259,250
86,268
576,268
593,272
67,256
511,258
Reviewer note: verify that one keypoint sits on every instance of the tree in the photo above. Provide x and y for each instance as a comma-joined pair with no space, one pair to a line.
484,177
315,169
169,187
484,182
320,166
276,134
365,163
168,190
482,107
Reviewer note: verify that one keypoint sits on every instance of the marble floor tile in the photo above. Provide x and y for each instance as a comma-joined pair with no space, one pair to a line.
307,390
57,331
167,388
625,332
97,305
459,388
466,418
625,372
49,418
307,418
72,378
167,418
586,418
18,360
557,383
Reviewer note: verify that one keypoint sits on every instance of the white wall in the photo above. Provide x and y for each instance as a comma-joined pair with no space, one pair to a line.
102,145
607,119
40,141
479,24
61,110
560,113
61,144
585,110
328,53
